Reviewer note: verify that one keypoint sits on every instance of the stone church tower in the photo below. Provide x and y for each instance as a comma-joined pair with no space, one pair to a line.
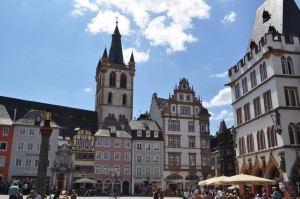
114,92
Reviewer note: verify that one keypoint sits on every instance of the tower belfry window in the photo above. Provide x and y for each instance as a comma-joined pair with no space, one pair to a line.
112,79
123,81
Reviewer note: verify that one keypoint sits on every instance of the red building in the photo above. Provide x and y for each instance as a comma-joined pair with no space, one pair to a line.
6,138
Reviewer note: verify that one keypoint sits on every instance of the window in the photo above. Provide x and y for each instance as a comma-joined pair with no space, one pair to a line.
239,116
192,160
3,146
203,144
156,171
127,170
237,91
22,131
106,156
204,127
31,132
127,157
191,142
294,134
253,79
267,101
242,146
117,156
20,146
174,159
174,141
98,155
196,111
139,133
291,96
99,142
139,146
29,146
124,100
105,169
138,170
127,143
156,146
173,109
148,158
148,134
156,158
148,170
250,143
191,127
28,162
38,146
147,146
188,98
180,96
272,137
263,71
36,163
112,79
18,162
106,142
257,109
287,66
155,134
204,161
2,161
109,98
247,112
244,85
184,110
5,131
139,158
98,169
123,81
118,143
174,125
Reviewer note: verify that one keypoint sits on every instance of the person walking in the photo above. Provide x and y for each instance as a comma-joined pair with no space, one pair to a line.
12,191
264,194
186,194
155,193
275,194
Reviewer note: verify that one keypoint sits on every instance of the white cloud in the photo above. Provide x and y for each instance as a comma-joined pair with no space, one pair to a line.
220,75
138,56
229,18
87,90
221,99
82,6
162,22
105,22
223,115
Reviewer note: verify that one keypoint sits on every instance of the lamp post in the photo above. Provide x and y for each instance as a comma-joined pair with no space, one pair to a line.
46,132
115,175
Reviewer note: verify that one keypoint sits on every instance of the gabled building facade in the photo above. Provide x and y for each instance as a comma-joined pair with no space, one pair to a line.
6,139
26,145
185,126
265,87
113,158
147,154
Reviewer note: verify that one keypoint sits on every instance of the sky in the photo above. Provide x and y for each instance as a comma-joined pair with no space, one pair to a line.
49,49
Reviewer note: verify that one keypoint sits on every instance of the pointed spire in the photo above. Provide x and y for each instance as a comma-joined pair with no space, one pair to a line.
104,53
131,58
223,127
115,52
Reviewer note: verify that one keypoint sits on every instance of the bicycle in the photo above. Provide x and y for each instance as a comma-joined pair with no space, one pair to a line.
114,196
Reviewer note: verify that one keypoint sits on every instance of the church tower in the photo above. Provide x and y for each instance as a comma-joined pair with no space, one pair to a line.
115,80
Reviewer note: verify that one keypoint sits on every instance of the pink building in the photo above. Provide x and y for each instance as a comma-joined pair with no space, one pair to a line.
113,158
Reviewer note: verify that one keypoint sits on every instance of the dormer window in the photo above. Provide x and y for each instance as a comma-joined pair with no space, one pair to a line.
148,134
139,133
112,129
37,120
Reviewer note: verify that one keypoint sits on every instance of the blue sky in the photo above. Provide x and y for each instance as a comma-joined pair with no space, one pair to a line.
50,49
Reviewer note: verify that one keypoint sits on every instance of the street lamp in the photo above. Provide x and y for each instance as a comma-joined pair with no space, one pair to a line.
115,175
46,132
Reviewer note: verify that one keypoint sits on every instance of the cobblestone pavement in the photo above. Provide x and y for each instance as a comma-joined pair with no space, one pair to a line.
105,197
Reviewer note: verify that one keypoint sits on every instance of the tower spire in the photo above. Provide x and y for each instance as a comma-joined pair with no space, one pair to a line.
115,52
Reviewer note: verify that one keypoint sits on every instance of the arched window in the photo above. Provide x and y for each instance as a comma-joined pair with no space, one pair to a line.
291,134
242,146
262,140
250,143
124,100
112,79
244,85
263,71
237,91
287,65
109,98
283,65
123,81
111,115
122,119
272,137
253,79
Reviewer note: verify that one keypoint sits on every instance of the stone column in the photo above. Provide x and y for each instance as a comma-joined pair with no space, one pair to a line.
46,132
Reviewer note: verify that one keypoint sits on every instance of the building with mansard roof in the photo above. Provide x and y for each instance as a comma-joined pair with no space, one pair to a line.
265,87
185,126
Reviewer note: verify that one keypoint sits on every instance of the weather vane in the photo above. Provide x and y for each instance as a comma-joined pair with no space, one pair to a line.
117,18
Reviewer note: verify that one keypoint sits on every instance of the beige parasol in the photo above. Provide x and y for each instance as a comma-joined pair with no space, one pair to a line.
220,180
248,180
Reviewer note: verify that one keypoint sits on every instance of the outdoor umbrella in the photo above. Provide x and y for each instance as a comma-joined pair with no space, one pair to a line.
220,180
249,180
85,180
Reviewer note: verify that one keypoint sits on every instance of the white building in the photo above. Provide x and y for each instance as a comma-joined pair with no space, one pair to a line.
185,126
265,87
26,147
